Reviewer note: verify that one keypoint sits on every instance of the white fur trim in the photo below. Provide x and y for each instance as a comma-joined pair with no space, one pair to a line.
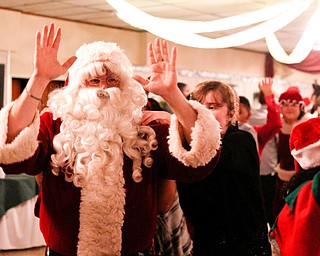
102,213
306,156
24,145
205,138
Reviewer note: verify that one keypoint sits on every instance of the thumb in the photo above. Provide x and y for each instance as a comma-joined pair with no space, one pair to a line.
69,62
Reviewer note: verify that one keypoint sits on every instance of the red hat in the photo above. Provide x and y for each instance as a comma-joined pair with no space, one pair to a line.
305,144
291,95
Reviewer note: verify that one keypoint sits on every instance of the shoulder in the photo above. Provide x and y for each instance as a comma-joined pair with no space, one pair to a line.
247,127
236,135
48,123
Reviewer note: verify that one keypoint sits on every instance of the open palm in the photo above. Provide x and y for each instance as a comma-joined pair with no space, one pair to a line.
46,62
163,68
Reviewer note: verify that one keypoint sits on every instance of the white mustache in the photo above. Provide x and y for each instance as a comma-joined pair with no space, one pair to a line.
102,94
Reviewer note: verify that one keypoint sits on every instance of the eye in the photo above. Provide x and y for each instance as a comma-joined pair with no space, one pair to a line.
217,105
94,81
112,80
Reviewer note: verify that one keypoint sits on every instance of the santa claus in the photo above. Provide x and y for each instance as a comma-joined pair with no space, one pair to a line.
100,167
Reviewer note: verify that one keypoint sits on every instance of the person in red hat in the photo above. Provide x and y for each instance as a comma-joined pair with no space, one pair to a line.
296,231
292,110
100,165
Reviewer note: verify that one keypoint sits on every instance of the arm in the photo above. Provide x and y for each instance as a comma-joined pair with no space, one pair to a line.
274,123
163,82
46,68
166,195
161,117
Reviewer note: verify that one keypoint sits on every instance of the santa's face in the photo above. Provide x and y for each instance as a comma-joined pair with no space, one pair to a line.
98,125
105,81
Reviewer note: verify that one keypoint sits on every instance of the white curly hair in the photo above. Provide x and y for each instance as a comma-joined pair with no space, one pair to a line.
99,126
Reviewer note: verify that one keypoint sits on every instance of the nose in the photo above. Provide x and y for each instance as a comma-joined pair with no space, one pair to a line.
106,85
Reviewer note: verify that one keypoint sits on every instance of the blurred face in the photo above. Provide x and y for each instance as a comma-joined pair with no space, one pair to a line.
186,90
290,112
244,114
105,81
213,102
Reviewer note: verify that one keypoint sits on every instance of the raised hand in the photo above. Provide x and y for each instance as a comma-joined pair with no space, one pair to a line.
163,79
46,68
163,82
161,117
265,86
46,64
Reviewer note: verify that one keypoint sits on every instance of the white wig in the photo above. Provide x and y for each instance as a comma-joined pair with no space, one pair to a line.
74,102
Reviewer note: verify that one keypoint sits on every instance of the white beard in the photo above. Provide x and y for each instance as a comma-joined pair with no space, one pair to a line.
98,127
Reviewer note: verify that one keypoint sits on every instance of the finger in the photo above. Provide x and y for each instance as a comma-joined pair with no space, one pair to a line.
57,39
151,54
50,34
140,80
146,119
38,41
143,118
173,58
165,53
158,50
270,80
44,35
69,63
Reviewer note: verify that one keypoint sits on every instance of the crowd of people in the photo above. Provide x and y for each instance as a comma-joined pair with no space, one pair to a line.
121,174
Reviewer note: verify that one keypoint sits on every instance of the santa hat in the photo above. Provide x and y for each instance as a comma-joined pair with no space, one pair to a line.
305,144
291,95
99,51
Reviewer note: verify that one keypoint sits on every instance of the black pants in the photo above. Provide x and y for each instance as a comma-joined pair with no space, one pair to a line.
268,187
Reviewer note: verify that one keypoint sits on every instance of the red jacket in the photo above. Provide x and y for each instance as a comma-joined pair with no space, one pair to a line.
273,125
297,229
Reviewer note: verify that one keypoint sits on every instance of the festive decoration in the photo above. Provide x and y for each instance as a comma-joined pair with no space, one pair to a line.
270,20
303,47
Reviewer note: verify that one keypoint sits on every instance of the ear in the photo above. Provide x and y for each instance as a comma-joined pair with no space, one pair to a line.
249,114
231,113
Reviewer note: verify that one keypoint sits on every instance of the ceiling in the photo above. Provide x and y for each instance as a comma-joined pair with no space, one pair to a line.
98,12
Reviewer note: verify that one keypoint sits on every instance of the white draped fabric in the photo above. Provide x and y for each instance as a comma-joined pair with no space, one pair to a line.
19,228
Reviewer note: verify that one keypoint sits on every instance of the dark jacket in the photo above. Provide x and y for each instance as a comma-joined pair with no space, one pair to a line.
225,209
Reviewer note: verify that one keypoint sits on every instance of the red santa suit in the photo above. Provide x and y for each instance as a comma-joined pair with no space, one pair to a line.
105,211
296,231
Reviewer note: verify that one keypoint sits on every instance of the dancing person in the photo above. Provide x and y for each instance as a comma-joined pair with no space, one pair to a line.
100,167
265,132
292,110
172,237
268,159
296,231
225,209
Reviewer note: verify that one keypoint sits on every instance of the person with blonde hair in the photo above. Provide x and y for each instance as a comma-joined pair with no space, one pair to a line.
225,209
100,167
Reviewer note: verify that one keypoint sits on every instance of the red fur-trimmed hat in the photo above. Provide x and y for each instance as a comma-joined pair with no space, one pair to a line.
305,144
291,95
